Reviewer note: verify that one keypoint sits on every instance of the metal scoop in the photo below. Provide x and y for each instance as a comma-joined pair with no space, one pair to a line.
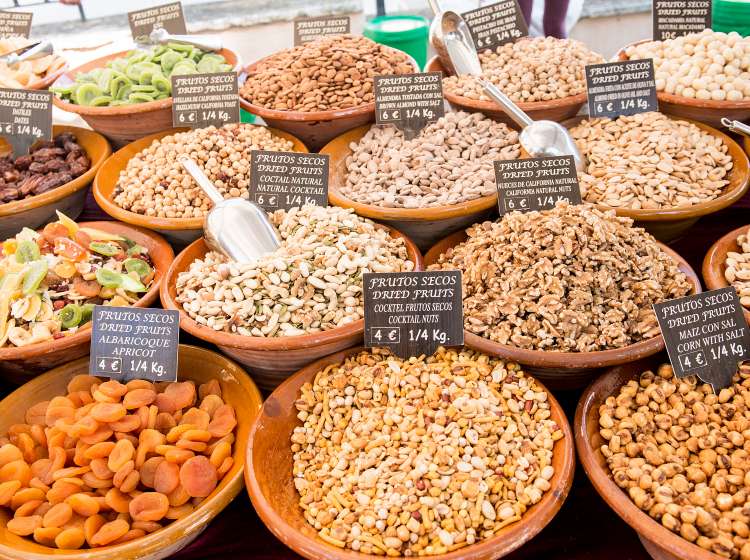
235,227
436,36
539,138
736,126
29,52
160,36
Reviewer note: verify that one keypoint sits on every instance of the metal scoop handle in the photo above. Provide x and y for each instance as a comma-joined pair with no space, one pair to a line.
203,182
518,115
161,36
30,52
736,126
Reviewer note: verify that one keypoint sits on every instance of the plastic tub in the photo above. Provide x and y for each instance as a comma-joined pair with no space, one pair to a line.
405,33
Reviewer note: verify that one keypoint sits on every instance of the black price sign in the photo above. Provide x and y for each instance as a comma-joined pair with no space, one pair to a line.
412,313
409,101
15,24
134,343
284,180
621,88
675,18
168,16
201,100
706,335
496,24
525,185
25,117
307,30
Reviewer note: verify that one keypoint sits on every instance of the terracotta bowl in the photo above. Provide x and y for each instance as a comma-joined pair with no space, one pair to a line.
553,110
315,128
178,231
659,542
124,123
270,360
268,478
423,225
714,263
563,370
195,363
19,364
669,224
69,198
706,111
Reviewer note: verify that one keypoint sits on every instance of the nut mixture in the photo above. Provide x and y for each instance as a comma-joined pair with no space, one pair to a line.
572,279
154,183
450,162
110,462
737,271
334,72
680,453
529,70
706,65
312,283
649,161
423,456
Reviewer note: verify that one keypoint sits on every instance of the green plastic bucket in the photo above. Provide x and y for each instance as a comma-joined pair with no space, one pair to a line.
731,15
404,32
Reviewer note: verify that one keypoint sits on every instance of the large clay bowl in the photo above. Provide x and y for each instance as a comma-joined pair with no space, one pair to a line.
668,224
123,123
195,364
268,478
563,370
69,198
178,231
714,263
270,360
703,110
422,225
315,128
19,364
553,110
659,542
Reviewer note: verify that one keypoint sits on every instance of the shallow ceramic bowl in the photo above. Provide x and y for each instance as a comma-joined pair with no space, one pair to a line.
124,123
563,370
422,225
668,224
178,231
714,263
268,478
69,198
196,364
315,128
553,110
703,110
19,364
270,360
659,542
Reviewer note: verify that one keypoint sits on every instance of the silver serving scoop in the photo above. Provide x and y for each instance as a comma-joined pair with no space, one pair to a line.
436,36
29,52
160,36
235,227
736,126
539,138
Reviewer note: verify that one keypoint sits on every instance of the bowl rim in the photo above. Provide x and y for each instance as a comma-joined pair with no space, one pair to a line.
103,192
714,262
80,182
84,334
679,99
310,547
727,198
646,527
565,360
421,214
49,79
260,343
197,519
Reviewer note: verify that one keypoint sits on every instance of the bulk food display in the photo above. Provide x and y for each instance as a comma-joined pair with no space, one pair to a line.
30,74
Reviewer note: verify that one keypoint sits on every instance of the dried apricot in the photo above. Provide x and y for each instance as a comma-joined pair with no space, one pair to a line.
149,506
16,470
196,417
7,489
148,471
108,412
26,495
61,489
24,526
219,453
179,512
110,532
100,435
9,453
198,476
82,383
223,421
117,501
91,526
58,515
71,538
131,536
138,398
99,450
100,469
28,508
128,423
177,455
167,477
83,504
182,393
46,535
37,414
146,526
134,384
121,454
178,496
209,388
223,469
130,482
210,404
113,388
165,422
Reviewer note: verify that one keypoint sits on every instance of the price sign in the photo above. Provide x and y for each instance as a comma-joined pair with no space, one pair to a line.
706,335
25,117
496,24
15,24
675,18
134,343
409,101
524,185
284,180
621,88
168,16
201,100
310,29
413,313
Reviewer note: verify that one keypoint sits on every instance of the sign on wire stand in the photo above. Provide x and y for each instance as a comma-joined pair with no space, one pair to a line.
309,29
284,180
167,16
15,24
201,100
621,88
675,18
25,117
409,101
496,24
